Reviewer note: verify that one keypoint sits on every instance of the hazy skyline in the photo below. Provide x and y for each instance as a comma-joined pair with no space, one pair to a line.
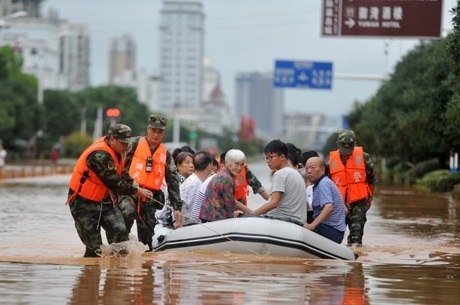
246,36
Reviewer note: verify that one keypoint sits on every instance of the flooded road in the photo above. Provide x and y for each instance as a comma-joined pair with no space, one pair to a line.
411,254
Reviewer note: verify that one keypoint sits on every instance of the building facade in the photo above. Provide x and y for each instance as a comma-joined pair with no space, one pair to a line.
122,57
74,55
181,54
256,98
56,52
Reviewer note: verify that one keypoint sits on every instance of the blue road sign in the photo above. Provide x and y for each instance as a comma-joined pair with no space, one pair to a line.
303,74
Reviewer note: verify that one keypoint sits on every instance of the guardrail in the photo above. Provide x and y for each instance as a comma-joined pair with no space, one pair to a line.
34,170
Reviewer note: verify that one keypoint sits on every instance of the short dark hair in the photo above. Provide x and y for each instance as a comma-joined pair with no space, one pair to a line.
184,148
180,158
294,154
307,155
202,159
187,148
222,157
276,147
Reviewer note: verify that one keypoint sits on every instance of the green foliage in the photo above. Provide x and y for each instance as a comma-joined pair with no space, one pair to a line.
19,114
425,167
18,106
10,63
62,113
75,143
407,116
451,117
133,113
454,40
439,181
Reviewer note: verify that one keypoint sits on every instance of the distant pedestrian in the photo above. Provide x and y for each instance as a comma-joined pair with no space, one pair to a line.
2,159
54,156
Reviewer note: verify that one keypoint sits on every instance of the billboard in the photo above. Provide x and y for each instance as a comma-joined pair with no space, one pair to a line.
392,18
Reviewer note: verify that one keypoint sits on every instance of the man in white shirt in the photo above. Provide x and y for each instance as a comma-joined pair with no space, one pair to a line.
203,163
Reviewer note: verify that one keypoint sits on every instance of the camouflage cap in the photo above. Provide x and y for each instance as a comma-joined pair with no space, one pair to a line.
346,136
157,121
120,132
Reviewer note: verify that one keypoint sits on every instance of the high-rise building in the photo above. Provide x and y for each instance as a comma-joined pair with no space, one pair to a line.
56,52
122,57
256,98
181,54
74,63
32,7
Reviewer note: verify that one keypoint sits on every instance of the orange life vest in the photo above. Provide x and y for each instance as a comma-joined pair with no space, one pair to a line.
241,187
152,179
351,177
84,182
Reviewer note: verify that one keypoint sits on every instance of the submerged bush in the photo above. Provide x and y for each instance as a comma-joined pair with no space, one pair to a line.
439,180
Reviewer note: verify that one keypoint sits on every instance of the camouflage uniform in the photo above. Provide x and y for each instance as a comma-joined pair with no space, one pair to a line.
90,216
253,182
144,213
356,217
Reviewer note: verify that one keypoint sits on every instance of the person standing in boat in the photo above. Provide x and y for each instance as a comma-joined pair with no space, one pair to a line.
219,201
96,180
352,171
150,164
327,203
287,201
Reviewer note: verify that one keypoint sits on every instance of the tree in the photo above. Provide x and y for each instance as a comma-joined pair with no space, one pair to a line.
18,103
61,113
406,118
133,113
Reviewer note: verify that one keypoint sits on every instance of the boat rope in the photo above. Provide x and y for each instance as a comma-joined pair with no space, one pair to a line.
214,231
228,238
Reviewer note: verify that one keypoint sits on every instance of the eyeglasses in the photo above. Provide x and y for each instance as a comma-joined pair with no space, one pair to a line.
269,157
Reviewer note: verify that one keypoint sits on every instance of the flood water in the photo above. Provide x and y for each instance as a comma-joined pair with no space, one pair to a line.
411,255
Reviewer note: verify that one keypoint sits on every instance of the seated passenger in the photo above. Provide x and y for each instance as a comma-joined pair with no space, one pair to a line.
219,202
287,201
328,206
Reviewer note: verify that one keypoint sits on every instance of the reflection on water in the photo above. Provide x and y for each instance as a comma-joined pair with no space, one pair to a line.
411,254
229,281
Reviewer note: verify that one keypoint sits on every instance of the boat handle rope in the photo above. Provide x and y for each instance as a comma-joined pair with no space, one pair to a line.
214,231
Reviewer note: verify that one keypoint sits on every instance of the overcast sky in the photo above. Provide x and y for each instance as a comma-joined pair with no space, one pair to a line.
249,35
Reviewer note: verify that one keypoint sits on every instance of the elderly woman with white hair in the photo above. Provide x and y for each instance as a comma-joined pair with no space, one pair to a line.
219,202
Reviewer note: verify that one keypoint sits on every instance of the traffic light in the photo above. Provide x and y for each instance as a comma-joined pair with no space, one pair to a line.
113,113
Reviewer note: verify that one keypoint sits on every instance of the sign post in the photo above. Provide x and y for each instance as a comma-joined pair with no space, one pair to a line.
393,18
303,74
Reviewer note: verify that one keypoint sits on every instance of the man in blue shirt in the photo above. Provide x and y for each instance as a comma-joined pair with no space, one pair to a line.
328,206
